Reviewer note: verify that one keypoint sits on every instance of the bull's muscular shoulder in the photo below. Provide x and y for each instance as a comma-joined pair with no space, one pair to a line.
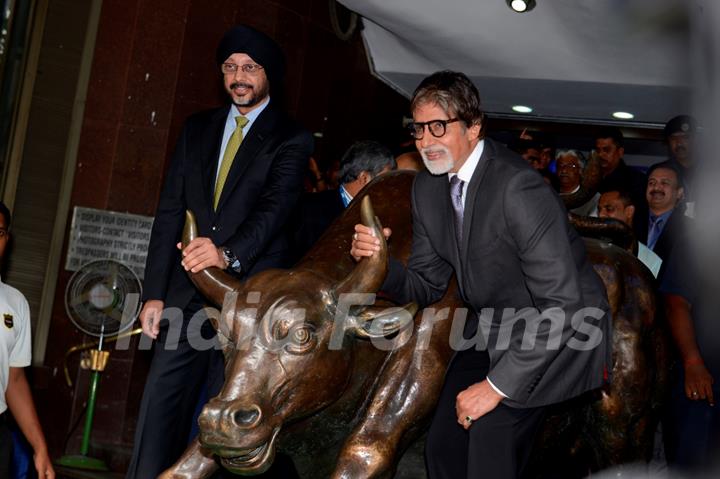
626,280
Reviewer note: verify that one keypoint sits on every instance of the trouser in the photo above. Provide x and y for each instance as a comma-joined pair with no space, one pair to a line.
497,445
6,446
178,371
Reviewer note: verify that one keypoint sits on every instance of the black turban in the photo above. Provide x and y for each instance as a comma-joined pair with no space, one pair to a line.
257,45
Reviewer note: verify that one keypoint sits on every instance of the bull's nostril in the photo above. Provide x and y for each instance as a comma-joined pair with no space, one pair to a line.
246,417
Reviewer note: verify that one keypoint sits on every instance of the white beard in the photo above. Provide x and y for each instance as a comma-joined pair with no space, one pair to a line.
441,166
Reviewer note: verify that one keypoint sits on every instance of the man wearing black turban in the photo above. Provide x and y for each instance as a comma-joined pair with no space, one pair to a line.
240,169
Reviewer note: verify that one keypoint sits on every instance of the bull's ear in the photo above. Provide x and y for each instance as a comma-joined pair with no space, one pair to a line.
222,322
379,322
225,341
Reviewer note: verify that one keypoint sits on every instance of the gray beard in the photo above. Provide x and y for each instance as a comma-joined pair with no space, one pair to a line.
257,97
438,167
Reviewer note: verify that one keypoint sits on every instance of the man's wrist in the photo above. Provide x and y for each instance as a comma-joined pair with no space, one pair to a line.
693,361
41,449
231,261
495,388
221,252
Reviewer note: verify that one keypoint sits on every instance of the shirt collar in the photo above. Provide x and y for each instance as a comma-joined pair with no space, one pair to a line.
466,171
251,116
345,196
577,188
663,216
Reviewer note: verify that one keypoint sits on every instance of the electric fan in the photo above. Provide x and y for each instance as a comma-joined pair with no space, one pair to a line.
102,299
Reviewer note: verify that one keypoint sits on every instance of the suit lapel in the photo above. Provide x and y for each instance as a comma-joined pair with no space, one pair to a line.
211,144
259,132
471,194
664,243
642,229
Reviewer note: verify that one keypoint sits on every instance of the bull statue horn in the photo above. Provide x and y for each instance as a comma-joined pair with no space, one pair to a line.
212,282
369,274
607,229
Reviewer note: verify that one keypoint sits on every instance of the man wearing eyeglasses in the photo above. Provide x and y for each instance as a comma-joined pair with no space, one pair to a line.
570,165
484,214
240,169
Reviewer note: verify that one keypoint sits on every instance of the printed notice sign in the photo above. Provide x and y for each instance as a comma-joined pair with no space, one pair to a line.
100,234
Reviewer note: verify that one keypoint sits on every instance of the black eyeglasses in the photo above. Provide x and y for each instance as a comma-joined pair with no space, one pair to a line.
228,68
436,127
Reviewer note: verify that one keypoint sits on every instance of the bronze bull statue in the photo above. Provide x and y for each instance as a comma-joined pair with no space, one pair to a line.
351,411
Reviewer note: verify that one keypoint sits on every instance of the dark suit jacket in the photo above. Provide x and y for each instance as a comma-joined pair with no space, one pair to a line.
519,252
313,216
262,187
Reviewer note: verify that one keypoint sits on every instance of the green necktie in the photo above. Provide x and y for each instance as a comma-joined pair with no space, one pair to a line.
230,151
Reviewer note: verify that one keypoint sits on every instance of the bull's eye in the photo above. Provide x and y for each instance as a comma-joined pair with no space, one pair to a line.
301,336
301,339
287,330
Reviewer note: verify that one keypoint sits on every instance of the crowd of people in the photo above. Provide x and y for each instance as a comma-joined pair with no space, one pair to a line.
643,200
658,206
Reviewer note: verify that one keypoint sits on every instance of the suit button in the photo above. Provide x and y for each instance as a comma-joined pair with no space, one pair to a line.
215,228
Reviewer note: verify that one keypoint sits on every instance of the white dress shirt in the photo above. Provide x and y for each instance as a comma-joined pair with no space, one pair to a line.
465,173
231,124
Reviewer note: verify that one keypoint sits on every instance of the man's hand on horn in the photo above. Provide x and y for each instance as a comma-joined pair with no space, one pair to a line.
201,253
364,242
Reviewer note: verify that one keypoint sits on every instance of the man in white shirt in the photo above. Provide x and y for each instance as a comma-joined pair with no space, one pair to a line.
618,205
15,354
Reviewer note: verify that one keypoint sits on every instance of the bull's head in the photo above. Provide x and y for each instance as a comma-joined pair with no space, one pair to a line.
282,334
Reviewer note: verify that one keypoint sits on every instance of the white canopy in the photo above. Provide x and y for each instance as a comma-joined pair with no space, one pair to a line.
578,60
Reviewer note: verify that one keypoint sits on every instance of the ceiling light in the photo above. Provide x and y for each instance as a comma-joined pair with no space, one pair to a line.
522,109
521,6
623,115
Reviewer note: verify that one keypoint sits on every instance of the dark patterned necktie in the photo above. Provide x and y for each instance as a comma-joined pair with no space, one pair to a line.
456,188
